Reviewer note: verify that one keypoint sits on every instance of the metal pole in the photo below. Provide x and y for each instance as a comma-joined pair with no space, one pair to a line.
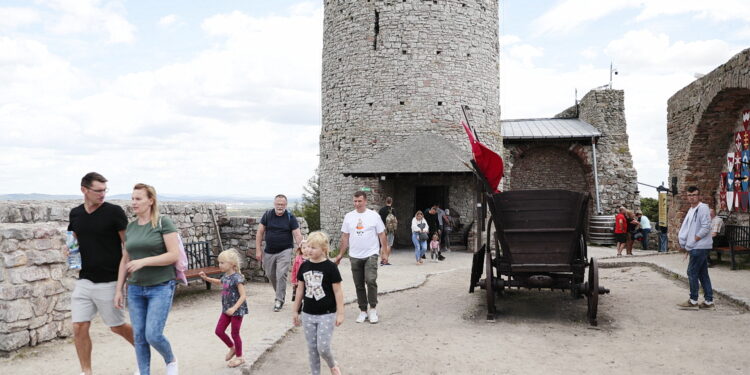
596,176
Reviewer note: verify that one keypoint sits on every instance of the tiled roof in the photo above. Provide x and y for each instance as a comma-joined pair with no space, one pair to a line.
548,128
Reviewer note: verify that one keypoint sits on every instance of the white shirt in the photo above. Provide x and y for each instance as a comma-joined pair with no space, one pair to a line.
363,229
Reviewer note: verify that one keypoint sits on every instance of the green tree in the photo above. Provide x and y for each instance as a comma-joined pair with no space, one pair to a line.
650,208
309,208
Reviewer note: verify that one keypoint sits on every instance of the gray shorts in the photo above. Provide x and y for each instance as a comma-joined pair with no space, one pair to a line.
89,297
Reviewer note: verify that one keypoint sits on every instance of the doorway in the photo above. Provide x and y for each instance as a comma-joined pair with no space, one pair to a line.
426,196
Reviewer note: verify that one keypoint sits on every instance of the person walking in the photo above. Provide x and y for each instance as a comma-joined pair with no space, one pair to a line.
696,241
433,222
388,215
645,228
323,307
363,235
99,227
152,248
633,230
621,230
280,229
233,304
419,233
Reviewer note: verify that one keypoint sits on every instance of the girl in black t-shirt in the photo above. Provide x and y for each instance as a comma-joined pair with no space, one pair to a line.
320,286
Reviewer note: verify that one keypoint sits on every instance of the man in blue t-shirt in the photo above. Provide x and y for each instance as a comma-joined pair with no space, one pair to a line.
280,229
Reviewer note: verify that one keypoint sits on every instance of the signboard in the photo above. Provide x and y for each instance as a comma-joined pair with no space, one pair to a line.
365,189
662,209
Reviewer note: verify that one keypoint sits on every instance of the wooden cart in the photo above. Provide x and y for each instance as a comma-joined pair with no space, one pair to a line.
538,242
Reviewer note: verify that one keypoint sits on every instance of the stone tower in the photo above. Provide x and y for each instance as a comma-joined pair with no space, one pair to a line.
395,73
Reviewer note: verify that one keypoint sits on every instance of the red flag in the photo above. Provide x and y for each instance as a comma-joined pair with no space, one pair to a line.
489,162
746,119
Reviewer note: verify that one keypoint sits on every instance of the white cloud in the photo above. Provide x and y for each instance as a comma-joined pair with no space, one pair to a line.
525,53
646,51
717,10
507,39
11,18
570,14
79,16
245,110
589,53
168,20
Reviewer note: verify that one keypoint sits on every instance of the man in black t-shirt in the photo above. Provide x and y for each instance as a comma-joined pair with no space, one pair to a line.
280,229
100,229
389,235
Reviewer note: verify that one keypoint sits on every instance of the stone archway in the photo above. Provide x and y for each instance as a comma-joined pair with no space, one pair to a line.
700,121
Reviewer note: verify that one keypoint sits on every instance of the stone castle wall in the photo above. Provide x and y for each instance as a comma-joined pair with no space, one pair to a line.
569,164
701,119
392,70
35,283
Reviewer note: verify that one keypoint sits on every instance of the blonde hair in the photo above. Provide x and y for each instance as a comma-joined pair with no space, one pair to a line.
231,257
319,239
151,194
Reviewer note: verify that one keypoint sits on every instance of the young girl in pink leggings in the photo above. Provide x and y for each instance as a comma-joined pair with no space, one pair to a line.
233,305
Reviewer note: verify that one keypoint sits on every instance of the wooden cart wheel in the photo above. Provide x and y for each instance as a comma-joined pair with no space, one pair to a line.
489,285
593,291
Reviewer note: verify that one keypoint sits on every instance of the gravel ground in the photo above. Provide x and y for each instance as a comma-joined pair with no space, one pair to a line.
441,329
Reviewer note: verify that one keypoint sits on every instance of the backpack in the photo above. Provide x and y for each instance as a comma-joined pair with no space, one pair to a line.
391,222
181,265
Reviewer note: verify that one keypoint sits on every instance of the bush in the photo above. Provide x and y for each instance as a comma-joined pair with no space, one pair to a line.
650,208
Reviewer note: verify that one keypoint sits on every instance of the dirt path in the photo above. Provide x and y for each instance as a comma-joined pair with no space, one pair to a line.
441,329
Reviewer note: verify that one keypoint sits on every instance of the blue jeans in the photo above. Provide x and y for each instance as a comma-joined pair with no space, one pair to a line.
698,273
644,241
420,247
149,307
662,242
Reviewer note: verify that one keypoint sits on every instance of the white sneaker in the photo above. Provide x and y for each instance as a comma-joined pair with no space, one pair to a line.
362,317
372,316
172,368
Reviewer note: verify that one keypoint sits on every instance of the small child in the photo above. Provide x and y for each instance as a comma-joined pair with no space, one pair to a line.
323,306
435,247
300,255
233,304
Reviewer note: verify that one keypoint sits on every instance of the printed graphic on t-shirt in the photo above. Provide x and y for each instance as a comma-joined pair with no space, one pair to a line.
314,285
360,227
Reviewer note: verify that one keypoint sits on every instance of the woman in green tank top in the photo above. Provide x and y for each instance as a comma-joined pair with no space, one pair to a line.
151,249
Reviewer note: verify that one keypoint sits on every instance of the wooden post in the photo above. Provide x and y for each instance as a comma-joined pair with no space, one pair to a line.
478,220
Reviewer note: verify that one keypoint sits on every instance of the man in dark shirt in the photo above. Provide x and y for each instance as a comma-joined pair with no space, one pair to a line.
100,229
280,229
431,216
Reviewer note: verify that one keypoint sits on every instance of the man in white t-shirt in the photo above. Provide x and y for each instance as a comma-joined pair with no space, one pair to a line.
363,234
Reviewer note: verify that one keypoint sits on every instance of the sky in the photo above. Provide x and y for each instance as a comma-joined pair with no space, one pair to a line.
223,97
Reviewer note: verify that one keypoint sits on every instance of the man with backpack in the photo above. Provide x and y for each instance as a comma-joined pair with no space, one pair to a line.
280,229
388,215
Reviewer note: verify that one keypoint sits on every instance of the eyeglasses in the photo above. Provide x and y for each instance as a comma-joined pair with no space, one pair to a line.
98,191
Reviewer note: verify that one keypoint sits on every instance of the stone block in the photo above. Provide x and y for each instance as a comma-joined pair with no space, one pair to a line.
46,332
14,326
11,292
39,306
8,245
15,310
66,328
63,302
46,256
69,282
14,340
46,288
42,244
25,274
38,321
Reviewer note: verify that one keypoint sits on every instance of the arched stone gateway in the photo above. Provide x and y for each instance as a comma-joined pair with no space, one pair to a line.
702,121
